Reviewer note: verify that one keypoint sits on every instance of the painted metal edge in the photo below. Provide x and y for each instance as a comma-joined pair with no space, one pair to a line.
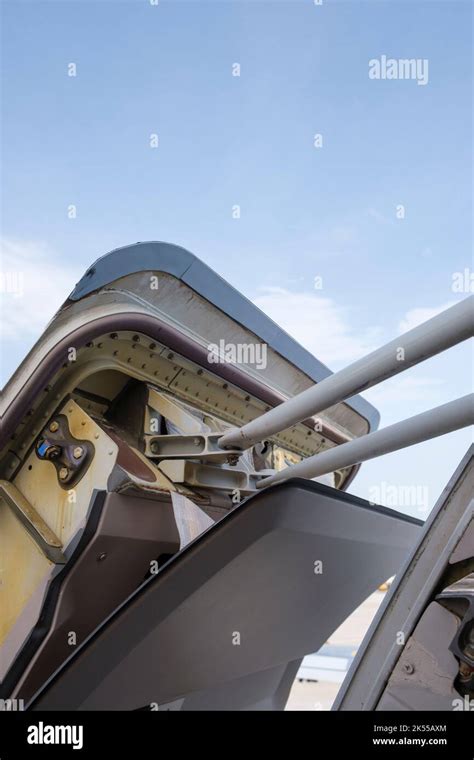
185,266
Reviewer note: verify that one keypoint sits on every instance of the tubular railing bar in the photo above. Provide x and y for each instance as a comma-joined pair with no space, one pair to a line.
422,427
447,329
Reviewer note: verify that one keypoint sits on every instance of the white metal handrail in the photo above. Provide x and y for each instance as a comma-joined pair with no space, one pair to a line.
428,339
431,424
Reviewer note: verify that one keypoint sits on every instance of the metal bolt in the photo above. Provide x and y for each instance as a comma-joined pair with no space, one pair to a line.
101,557
63,473
78,452
408,668
52,452
154,447
197,441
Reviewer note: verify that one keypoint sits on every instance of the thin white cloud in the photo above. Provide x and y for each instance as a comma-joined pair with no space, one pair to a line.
34,282
379,217
336,241
414,386
319,324
326,329
329,241
405,389
415,317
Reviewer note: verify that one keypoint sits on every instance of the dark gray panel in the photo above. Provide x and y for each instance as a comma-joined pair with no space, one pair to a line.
253,573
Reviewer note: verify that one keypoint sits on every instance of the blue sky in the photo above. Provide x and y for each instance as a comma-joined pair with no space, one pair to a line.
249,141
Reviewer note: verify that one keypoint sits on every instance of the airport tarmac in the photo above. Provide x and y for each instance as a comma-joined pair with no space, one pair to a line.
320,695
